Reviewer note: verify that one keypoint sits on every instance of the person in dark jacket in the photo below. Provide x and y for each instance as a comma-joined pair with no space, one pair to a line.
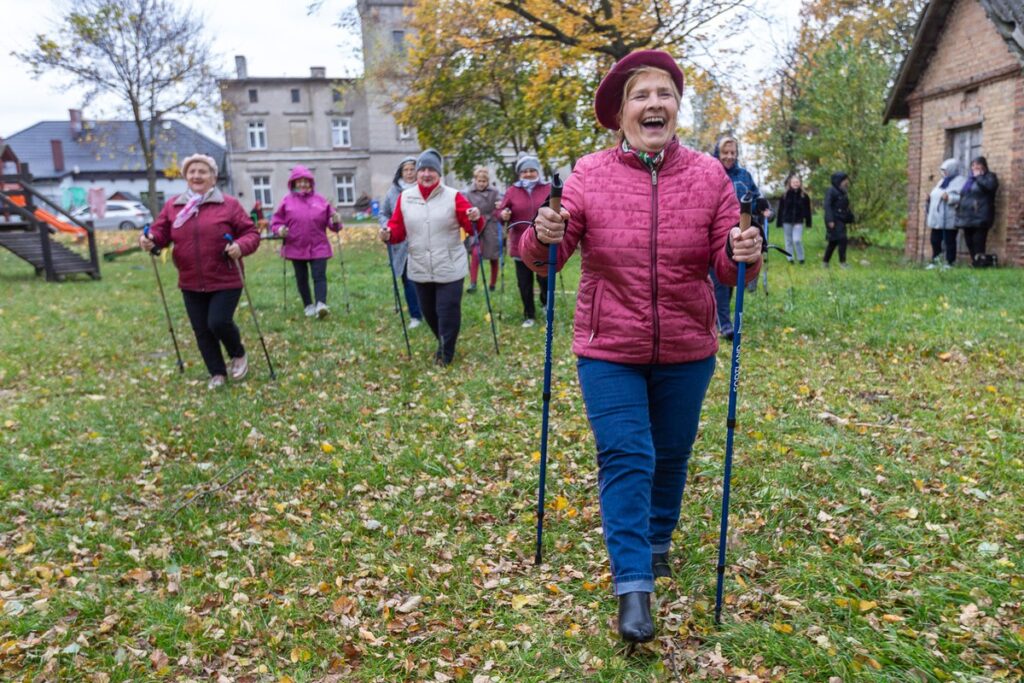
977,210
727,152
793,215
208,266
837,216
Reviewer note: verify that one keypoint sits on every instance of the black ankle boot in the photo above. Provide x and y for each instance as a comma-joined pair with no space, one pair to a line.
660,566
635,623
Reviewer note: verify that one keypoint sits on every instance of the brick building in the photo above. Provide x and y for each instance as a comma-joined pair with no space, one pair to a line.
961,88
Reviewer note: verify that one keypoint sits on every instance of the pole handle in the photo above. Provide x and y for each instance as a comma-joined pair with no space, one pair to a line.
155,251
555,198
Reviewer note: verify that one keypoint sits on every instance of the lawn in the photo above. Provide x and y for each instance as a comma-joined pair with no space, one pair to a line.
367,517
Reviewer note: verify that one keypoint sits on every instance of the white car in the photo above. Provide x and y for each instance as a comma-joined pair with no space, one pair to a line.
121,215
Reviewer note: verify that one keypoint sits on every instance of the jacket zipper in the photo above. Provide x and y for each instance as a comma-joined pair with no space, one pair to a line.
654,265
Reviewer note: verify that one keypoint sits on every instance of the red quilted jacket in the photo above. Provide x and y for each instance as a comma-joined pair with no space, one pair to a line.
199,243
647,241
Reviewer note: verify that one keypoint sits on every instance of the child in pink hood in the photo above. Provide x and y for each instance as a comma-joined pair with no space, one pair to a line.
302,221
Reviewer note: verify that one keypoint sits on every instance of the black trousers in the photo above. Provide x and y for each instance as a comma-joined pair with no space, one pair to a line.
319,270
212,317
524,278
938,237
975,239
832,244
441,305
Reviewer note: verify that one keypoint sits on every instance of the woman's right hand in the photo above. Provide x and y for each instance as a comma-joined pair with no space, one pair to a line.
282,232
506,214
145,243
384,235
550,226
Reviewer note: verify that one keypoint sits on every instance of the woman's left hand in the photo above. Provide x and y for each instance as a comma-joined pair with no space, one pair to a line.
336,218
746,245
233,250
473,213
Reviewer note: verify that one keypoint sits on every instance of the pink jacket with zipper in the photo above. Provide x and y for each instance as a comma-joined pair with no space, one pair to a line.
647,241
307,216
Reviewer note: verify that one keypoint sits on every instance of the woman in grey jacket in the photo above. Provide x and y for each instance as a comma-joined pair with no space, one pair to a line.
942,203
405,177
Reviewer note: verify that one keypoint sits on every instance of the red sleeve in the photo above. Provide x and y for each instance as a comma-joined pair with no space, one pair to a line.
462,205
160,229
397,223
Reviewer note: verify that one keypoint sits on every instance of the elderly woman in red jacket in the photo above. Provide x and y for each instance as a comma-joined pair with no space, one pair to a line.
517,209
208,265
650,218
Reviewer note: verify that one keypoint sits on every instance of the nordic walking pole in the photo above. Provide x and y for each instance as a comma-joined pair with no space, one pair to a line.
555,202
764,266
160,285
398,303
284,278
501,265
487,294
734,379
252,309
344,281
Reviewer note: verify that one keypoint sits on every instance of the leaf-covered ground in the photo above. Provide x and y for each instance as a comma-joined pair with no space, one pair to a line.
371,518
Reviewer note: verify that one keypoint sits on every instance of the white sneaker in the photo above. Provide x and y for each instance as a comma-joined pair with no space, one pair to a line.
930,266
528,322
238,367
311,310
414,323
321,309
216,382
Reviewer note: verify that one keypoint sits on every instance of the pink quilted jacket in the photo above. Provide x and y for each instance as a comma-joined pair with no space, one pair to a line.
647,242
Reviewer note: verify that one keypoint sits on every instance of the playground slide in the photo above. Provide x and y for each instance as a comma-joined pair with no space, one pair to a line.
52,220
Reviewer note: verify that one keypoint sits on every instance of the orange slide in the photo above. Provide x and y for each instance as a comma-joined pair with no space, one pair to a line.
50,219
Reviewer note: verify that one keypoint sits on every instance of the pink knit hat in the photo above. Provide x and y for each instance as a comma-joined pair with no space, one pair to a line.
193,158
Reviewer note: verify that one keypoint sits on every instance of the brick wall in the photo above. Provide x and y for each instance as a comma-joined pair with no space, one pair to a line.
972,78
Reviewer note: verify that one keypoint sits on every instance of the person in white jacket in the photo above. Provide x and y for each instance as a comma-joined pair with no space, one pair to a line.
941,210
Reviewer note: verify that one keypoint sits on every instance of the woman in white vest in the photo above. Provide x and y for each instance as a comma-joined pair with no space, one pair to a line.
429,216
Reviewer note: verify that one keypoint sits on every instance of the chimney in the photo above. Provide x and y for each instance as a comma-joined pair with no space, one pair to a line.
240,68
76,122
57,149
317,72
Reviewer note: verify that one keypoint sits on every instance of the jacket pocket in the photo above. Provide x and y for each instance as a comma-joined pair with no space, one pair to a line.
595,311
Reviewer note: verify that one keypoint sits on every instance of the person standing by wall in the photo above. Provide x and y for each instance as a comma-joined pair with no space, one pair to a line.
942,207
977,209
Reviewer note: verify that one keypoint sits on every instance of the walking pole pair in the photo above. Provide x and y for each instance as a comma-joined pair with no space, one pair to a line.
555,202
398,303
734,380
160,285
238,266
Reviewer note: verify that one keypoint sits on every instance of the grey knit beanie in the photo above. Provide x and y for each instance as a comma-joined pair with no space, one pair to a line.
430,158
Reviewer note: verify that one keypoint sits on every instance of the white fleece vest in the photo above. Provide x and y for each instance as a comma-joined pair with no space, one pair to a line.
436,253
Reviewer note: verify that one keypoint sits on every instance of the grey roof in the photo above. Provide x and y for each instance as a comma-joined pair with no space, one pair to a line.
108,147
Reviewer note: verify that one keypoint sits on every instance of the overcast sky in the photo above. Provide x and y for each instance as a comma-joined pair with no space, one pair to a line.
278,39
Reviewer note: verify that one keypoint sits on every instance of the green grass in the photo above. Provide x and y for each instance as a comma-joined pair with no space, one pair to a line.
876,528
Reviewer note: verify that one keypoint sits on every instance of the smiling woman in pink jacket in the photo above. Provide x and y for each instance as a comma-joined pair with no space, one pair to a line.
302,221
650,217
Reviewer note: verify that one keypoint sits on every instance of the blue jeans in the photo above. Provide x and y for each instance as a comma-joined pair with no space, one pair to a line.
410,296
644,419
723,300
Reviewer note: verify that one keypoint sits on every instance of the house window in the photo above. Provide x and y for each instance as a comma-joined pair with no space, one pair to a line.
398,41
404,132
964,144
254,95
257,135
346,186
295,95
299,134
341,132
261,190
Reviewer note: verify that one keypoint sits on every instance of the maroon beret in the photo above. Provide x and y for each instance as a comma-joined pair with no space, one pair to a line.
608,99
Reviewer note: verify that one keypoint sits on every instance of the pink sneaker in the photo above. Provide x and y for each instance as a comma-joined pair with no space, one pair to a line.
239,368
